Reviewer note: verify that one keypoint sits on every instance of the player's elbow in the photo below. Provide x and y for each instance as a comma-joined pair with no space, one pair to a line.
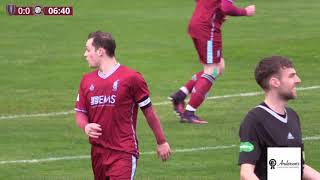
226,10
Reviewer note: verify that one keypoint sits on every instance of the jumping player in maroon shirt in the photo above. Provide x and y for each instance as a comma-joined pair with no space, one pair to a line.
205,31
106,110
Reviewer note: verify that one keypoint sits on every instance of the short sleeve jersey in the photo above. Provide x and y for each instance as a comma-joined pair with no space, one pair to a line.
112,100
263,128
207,20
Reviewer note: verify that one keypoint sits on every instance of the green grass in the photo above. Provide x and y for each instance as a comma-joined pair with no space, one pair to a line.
41,64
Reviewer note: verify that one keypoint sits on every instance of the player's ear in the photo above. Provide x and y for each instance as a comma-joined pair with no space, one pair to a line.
100,51
274,82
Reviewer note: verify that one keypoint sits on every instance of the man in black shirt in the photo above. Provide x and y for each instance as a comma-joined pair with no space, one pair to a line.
272,123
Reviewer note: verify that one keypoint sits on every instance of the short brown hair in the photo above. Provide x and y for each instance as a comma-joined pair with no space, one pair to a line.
103,40
268,67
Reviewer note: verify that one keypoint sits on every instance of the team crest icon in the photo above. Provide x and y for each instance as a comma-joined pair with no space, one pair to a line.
11,9
91,88
115,85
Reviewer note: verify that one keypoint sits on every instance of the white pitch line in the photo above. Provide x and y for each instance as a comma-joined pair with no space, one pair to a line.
195,149
45,160
36,115
156,104
87,157
311,138
64,158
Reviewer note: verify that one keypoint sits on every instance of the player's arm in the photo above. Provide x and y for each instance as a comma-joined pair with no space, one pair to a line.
247,172
309,173
93,130
163,148
230,9
82,120
141,93
250,150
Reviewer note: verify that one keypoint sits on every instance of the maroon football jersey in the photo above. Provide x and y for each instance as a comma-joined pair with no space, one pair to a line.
112,101
206,20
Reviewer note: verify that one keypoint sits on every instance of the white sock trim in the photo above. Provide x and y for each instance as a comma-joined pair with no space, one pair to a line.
190,108
184,90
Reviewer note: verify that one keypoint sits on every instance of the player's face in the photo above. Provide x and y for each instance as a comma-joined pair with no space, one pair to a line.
289,80
91,54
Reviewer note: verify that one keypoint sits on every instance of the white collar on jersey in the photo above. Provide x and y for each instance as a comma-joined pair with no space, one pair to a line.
105,76
276,115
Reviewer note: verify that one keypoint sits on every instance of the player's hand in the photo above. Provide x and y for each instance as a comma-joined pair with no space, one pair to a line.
93,130
163,151
251,10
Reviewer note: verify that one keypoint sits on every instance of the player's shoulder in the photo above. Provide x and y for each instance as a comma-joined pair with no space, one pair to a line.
254,116
292,113
257,110
130,73
90,75
127,69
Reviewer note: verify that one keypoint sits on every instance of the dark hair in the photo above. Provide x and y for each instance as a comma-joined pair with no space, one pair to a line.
103,40
268,67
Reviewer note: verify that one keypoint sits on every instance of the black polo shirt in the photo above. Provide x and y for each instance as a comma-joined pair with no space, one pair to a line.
262,128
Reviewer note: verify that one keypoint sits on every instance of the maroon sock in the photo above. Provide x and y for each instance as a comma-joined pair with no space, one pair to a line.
201,88
190,84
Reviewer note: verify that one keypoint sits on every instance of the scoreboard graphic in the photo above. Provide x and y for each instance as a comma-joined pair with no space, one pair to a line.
14,10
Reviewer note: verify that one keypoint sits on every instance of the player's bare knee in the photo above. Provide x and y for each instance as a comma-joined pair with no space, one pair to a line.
215,69
209,68
212,70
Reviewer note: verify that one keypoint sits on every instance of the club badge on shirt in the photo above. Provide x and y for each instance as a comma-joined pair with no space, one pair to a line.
115,85
91,88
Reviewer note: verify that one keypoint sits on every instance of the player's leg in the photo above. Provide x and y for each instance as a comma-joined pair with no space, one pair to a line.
178,97
123,167
99,169
210,56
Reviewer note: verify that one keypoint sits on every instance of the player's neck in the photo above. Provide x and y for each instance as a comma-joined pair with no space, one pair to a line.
275,103
107,65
